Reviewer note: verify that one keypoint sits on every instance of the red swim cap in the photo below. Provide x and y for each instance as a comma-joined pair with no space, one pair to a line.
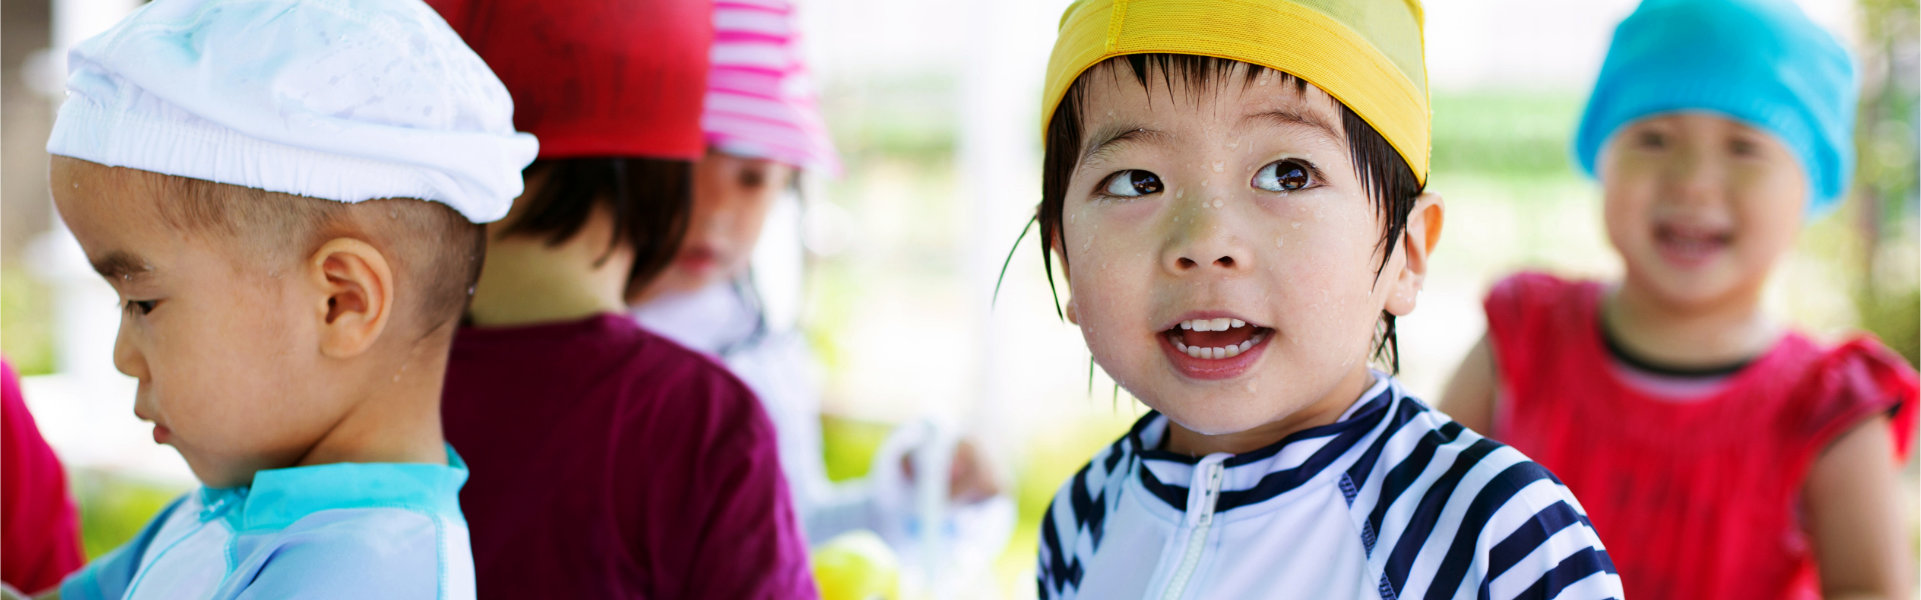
596,77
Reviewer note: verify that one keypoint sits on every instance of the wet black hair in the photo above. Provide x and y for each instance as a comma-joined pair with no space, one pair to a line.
1384,175
651,200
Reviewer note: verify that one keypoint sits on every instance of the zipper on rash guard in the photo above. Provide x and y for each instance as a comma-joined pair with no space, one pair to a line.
1202,520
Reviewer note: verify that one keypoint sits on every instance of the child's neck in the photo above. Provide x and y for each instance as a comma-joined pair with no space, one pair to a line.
1654,329
1328,409
396,419
526,281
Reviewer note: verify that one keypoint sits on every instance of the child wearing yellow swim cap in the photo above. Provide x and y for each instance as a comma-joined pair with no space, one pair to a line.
1235,192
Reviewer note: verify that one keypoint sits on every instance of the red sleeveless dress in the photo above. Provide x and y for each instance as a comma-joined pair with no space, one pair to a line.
1698,498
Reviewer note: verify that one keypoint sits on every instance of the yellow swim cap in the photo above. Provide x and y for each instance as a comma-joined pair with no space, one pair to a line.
1368,54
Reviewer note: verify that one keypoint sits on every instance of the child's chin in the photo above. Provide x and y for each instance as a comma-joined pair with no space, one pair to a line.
1215,421
216,476
1689,289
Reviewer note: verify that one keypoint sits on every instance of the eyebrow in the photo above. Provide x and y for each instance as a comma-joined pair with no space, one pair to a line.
122,265
1288,118
1109,139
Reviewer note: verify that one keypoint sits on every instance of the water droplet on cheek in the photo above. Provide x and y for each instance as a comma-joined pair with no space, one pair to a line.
1218,203
1218,167
1250,387
1278,242
1296,224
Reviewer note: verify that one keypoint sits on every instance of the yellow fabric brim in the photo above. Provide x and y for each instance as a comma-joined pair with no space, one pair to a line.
1291,38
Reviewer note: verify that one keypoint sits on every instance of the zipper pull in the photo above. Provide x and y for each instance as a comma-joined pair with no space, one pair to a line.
1211,494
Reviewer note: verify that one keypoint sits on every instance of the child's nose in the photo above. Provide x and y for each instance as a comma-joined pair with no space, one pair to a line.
126,358
1694,177
1204,244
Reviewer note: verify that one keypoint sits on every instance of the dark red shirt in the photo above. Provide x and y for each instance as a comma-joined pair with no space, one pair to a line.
1698,497
608,462
42,541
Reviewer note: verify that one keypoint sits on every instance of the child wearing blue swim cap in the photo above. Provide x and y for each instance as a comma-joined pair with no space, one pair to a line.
1721,453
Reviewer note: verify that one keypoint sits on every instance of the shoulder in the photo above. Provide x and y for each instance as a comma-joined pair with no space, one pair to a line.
659,384
1489,520
110,575
661,365
1529,316
374,551
1535,539
1853,381
1078,515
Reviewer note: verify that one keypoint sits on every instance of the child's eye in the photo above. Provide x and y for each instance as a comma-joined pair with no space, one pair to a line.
752,178
1743,147
144,306
1284,176
1131,183
1651,140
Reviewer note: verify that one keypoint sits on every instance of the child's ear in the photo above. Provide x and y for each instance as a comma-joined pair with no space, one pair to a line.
357,295
1417,241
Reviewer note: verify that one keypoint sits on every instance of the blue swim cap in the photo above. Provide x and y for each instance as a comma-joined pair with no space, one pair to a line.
1761,62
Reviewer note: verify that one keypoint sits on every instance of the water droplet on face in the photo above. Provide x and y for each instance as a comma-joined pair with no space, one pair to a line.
1296,224
1219,167
1250,387
1218,203
1278,242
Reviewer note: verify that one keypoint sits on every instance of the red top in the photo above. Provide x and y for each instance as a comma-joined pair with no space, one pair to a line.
1695,498
42,541
608,462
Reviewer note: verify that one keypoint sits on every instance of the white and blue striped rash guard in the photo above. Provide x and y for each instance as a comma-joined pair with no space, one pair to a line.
1393,501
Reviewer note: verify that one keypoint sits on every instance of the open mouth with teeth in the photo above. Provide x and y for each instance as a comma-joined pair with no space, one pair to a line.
1689,246
1216,339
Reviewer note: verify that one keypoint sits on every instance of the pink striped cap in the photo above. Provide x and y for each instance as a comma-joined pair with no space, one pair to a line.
761,101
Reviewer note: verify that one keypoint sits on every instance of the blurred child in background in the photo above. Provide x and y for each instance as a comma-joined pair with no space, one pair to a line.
42,544
763,130
1722,453
608,462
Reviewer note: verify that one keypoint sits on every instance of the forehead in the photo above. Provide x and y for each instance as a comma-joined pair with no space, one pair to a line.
1190,102
113,212
1697,121
102,199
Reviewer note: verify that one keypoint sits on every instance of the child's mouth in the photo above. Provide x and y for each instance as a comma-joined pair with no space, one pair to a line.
1214,348
1690,246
